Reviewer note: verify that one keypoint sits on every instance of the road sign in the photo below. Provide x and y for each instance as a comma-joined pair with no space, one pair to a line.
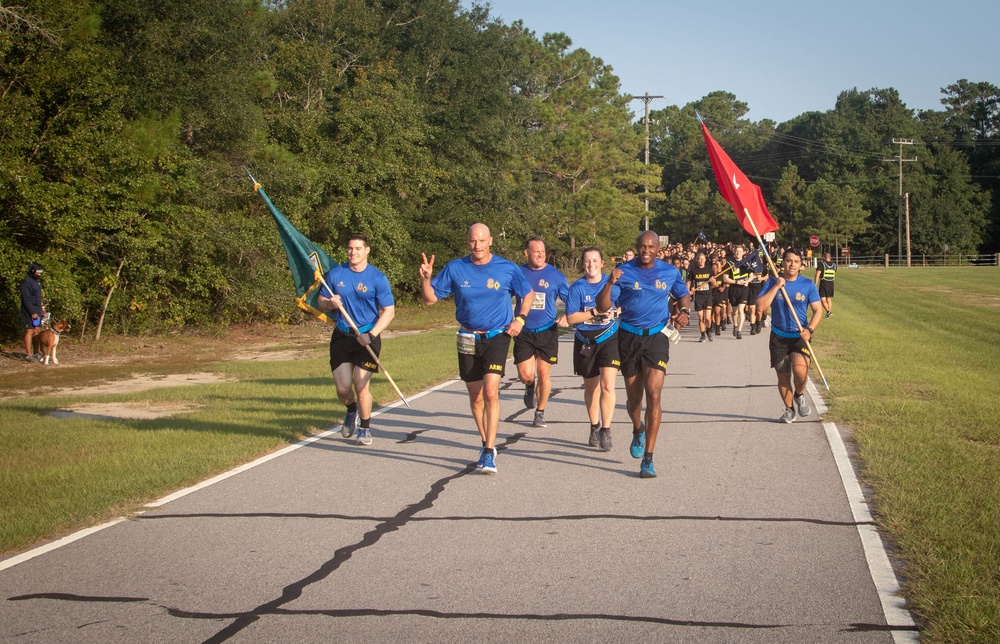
814,241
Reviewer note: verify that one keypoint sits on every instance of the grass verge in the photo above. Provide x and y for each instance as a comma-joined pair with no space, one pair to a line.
912,359
59,475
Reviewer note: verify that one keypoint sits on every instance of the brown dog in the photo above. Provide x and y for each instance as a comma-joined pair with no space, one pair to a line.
48,339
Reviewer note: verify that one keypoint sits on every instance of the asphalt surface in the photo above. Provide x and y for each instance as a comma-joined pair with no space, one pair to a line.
746,535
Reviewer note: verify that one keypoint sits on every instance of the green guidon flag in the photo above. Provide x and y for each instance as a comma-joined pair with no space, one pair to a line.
307,261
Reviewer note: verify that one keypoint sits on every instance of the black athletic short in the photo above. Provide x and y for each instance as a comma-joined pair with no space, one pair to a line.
738,294
589,362
702,300
718,297
544,344
825,288
753,290
344,348
490,357
781,348
642,351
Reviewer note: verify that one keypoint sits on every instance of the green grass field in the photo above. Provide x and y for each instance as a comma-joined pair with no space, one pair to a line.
58,475
913,360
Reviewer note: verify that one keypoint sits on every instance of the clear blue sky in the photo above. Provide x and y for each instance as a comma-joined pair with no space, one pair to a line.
782,58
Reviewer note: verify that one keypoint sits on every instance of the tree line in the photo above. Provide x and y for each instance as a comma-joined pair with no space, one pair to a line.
124,128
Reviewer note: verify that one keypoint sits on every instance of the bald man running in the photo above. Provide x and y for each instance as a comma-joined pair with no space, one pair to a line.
643,287
482,284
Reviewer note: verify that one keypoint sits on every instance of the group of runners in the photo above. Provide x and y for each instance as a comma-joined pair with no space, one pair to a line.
622,322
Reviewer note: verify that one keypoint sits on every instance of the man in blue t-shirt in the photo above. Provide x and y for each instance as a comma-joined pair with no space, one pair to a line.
483,285
790,353
536,348
643,287
363,292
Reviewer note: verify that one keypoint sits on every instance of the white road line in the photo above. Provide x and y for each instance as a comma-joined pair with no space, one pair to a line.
59,543
49,547
883,576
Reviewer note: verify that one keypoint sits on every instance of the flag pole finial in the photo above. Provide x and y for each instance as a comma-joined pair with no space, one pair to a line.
256,185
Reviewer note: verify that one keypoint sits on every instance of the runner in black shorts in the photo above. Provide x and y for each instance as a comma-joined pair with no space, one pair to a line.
720,300
536,348
755,315
738,279
362,294
595,347
789,353
482,285
826,274
699,283
643,288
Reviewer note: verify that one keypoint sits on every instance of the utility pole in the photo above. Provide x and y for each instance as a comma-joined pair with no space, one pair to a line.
899,226
646,98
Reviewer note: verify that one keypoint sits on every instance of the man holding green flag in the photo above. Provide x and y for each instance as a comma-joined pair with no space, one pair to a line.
361,293
307,263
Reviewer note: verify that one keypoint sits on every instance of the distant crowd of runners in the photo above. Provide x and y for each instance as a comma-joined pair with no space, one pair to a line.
623,321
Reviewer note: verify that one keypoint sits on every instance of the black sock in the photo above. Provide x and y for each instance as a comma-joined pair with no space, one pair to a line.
605,429
648,456
353,407
595,426
366,423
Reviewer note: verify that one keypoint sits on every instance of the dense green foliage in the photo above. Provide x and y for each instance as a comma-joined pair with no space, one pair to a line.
124,127
835,174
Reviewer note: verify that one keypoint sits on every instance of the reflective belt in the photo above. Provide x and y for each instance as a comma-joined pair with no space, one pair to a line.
486,335
542,328
361,329
607,333
637,331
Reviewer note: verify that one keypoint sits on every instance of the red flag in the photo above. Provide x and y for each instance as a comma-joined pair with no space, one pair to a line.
743,195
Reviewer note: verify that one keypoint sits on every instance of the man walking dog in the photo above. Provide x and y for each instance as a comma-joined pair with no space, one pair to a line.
31,308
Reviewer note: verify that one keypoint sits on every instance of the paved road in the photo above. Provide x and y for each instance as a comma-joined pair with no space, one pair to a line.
745,536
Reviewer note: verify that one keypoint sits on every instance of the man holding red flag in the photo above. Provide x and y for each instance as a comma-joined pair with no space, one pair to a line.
790,353
747,201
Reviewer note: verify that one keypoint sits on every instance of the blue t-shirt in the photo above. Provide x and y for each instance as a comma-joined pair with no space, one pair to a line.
645,293
802,292
548,284
482,292
583,297
363,293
